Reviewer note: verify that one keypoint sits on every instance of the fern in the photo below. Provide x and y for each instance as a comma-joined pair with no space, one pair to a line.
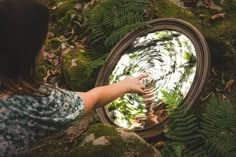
94,65
210,134
110,20
218,127
118,34
171,99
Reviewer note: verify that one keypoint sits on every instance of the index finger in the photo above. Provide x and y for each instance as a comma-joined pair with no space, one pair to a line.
140,77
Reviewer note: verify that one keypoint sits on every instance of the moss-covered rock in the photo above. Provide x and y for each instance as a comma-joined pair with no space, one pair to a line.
102,140
99,141
219,32
80,69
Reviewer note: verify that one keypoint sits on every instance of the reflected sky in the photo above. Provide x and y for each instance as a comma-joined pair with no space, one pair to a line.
169,58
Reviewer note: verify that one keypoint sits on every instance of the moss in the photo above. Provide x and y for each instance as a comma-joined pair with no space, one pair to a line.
117,147
168,9
219,32
53,44
80,69
221,41
101,130
100,151
228,5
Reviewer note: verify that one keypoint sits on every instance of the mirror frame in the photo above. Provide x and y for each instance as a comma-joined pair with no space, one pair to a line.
200,78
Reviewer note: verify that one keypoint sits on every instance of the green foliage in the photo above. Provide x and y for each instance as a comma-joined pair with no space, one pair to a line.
81,68
109,21
218,127
210,134
53,44
67,17
171,98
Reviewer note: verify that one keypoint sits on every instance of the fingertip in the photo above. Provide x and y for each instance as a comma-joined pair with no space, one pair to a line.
145,75
142,76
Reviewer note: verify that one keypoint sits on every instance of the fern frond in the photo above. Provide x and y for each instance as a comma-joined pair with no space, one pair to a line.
210,134
118,34
113,19
218,126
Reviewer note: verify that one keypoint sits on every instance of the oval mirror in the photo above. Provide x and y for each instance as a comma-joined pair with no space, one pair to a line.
176,57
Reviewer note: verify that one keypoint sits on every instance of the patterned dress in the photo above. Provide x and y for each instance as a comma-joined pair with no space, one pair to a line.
25,118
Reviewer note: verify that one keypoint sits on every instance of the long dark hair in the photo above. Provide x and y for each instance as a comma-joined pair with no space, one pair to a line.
23,31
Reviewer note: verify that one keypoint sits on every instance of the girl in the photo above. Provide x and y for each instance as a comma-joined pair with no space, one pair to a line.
28,108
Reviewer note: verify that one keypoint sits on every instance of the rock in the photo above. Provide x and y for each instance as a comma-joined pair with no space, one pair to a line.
105,141
101,141
98,141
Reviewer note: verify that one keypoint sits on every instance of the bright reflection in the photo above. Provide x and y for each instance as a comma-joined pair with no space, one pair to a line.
169,58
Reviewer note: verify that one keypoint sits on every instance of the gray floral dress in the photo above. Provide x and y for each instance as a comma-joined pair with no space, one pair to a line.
25,118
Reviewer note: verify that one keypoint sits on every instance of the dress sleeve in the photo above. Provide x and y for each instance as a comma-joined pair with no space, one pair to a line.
60,106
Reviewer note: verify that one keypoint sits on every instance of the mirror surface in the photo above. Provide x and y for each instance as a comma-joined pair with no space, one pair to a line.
169,57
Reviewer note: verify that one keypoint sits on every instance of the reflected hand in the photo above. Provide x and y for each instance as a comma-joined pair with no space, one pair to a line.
134,85
148,96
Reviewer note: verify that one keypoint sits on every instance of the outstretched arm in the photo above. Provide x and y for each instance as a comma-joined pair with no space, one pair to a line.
99,96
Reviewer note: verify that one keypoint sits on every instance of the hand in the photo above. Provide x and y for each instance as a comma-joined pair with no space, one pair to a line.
148,96
134,85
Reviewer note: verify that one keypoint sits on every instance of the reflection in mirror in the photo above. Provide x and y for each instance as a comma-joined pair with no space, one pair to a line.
169,58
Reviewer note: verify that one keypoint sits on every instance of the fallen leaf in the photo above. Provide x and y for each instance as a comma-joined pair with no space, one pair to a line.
207,2
78,6
213,70
159,144
229,84
202,15
47,76
74,62
217,16
92,2
54,72
80,46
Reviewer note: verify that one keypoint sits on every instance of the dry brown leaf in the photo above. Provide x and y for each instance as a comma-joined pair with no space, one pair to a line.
78,6
217,16
54,72
213,70
52,58
55,61
92,2
159,144
79,46
207,2
74,62
47,75
202,15
89,4
229,84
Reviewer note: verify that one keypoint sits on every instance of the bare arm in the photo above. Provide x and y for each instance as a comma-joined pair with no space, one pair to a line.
99,96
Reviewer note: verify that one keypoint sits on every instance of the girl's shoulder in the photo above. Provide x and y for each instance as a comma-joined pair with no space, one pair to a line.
46,93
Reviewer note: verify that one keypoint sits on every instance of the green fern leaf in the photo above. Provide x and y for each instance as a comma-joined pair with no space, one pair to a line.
117,35
109,21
